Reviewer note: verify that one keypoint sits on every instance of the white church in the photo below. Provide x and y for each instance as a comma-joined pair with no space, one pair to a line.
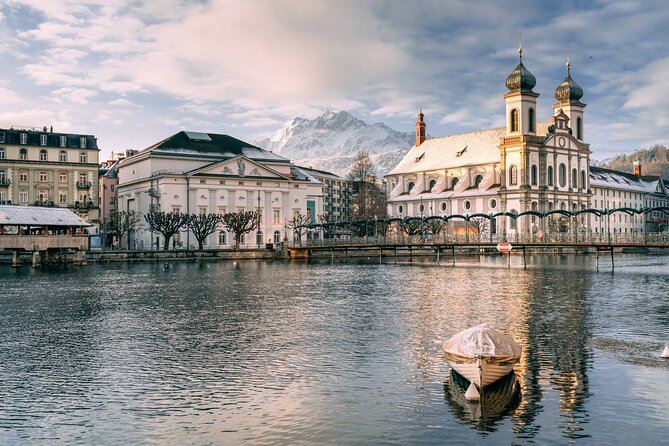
527,165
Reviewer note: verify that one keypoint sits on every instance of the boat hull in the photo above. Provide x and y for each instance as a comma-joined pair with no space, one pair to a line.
482,372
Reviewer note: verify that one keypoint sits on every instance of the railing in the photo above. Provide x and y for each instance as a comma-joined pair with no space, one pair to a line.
559,238
83,184
42,242
5,181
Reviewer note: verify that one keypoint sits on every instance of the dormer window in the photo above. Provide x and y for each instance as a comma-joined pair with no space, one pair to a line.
63,141
82,142
24,138
42,140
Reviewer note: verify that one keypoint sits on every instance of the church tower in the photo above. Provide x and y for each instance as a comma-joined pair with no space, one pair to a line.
521,101
568,95
420,129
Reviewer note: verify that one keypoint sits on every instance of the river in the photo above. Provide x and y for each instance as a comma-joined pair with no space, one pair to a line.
343,352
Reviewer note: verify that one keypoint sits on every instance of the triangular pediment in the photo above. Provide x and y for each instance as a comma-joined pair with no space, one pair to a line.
238,167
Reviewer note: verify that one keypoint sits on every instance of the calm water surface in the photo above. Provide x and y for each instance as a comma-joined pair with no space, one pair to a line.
331,353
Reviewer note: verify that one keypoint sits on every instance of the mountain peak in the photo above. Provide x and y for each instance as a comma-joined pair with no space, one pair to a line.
331,141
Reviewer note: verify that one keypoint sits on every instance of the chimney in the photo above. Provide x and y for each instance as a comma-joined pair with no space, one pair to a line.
637,168
420,129
51,129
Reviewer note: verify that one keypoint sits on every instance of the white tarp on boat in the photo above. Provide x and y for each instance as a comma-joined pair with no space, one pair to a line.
482,341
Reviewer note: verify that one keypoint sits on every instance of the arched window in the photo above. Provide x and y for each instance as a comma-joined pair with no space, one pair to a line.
530,120
514,118
82,157
400,209
563,175
549,180
43,155
410,186
455,181
477,180
574,178
23,154
513,175
583,179
579,128
514,221
431,185
533,174
62,156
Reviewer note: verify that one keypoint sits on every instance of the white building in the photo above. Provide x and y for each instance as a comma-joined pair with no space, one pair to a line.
524,166
193,172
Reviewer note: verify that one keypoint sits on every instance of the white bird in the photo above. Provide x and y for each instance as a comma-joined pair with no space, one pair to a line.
665,352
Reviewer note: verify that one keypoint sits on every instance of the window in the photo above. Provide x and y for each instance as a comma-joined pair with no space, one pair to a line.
43,156
492,204
579,128
242,239
563,175
62,196
477,180
24,138
454,183
276,216
514,120
83,197
43,195
530,120
202,210
573,178
222,238
410,186
513,175
421,209
514,222
550,176
42,140
277,237
63,141
431,185
82,157
467,205
82,142
296,215
23,154
443,206
533,174
583,179
23,175
62,156
400,209
62,177
2,136
42,176
82,178
2,174
2,154
23,195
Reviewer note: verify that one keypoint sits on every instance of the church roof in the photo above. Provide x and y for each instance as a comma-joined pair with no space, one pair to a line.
463,149
568,90
211,145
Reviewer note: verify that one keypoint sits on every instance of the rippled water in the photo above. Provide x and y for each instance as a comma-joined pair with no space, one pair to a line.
331,353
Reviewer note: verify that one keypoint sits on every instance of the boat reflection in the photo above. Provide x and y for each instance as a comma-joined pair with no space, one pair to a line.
497,401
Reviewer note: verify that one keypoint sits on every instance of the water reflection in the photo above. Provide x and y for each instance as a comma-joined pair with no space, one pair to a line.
297,353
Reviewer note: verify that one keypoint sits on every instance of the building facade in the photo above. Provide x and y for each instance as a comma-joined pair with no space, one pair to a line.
193,172
43,168
337,201
524,166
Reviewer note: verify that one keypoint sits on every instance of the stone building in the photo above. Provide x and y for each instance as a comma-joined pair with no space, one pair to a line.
194,172
41,168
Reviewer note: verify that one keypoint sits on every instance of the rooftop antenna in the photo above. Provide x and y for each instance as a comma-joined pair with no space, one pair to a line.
568,63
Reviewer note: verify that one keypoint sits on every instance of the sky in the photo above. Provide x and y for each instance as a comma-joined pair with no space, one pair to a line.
135,72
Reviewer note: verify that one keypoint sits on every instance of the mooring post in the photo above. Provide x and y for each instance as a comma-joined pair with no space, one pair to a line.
16,260
453,250
380,254
395,254
613,265
597,257
524,261
438,255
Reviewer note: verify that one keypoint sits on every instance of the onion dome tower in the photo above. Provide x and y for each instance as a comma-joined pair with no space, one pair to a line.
521,101
568,95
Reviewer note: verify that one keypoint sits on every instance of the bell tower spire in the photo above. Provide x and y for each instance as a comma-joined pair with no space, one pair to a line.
420,129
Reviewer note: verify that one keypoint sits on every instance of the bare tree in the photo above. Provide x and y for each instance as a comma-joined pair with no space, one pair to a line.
240,223
167,223
299,225
120,223
366,195
413,226
478,227
202,225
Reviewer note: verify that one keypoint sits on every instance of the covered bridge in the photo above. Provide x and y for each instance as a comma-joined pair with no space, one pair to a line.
42,231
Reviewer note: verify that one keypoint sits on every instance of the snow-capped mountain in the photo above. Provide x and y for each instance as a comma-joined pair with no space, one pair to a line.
331,141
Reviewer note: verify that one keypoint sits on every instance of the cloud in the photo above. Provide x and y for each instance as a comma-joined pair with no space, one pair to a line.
72,95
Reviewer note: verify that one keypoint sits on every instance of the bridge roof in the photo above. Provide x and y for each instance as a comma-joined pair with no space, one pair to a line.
39,216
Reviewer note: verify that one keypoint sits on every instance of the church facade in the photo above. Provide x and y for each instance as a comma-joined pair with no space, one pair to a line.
526,165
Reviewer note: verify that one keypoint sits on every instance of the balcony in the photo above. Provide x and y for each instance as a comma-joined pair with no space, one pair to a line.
83,184
83,205
154,192
44,203
5,182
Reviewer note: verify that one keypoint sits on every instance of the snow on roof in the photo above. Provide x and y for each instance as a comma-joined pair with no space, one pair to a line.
463,149
29,215
601,177
302,174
